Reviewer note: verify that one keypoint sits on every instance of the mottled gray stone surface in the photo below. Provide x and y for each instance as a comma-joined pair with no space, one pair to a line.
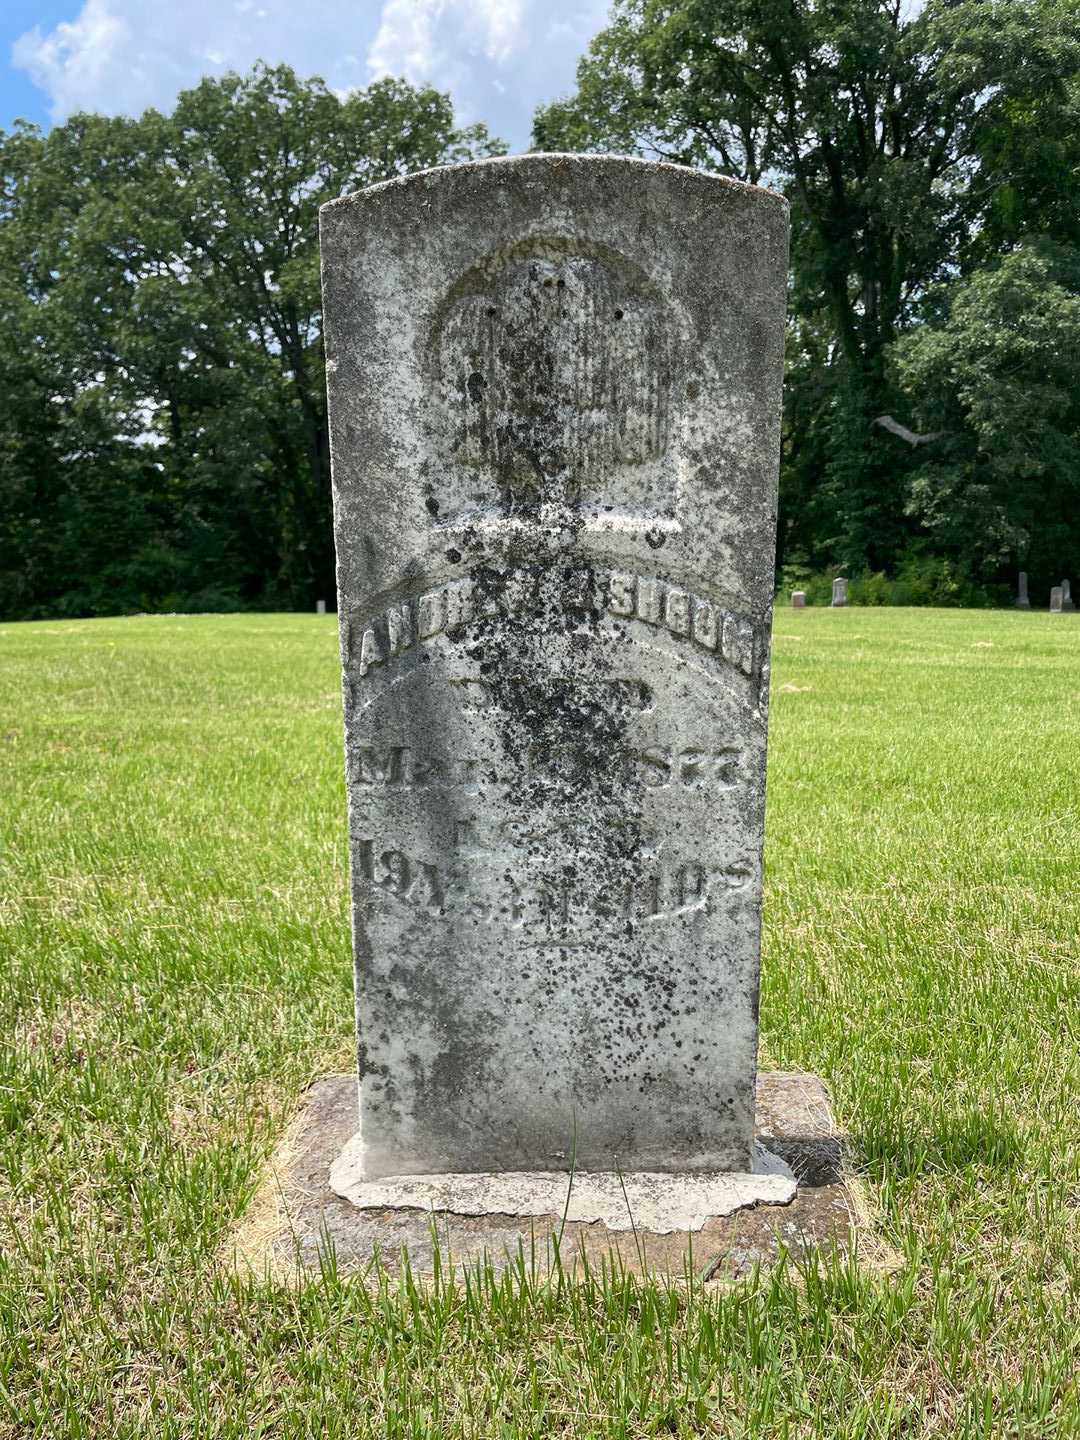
1023,601
1056,600
839,591
798,599
554,391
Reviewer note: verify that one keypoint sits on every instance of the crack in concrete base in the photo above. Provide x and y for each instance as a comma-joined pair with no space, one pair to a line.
646,1200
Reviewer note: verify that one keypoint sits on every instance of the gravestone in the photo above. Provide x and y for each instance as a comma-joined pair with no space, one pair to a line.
320,607
1056,600
798,599
554,387
839,591
1022,601
1067,602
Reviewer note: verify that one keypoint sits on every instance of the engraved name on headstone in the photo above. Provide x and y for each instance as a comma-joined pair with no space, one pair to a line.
1067,602
554,390
1022,600
798,599
839,591
1056,600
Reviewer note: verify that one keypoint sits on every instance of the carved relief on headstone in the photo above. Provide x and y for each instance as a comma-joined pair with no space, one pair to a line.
1067,602
839,591
1056,600
1022,600
554,400
798,599
554,367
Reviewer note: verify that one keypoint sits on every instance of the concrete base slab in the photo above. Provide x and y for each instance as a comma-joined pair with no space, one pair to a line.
644,1200
296,1215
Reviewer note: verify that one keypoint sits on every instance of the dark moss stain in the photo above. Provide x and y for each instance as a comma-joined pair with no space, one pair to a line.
571,766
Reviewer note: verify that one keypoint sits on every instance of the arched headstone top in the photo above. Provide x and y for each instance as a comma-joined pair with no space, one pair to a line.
544,166
620,402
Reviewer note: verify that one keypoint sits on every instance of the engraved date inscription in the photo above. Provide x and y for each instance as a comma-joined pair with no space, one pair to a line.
659,767
550,912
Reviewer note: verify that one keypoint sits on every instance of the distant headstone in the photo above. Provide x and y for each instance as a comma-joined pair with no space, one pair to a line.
839,591
1067,602
798,599
1056,600
555,638
320,607
1022,601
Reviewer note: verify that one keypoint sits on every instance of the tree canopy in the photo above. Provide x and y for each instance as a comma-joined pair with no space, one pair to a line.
163,429
921,148
162,412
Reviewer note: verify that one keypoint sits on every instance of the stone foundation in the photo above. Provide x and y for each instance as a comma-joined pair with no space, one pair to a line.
296,1213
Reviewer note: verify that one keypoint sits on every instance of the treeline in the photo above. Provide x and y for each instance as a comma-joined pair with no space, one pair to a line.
162,413
163,439
932,160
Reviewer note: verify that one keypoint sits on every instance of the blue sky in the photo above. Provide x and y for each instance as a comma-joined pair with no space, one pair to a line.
19,96
498,58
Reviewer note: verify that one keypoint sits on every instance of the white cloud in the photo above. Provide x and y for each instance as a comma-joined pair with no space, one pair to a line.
405,44
499,58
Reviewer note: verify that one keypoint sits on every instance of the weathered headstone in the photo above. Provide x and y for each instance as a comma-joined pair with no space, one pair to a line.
554,391
1067,602
320,607
839,591
1056,600
1022,601
798,599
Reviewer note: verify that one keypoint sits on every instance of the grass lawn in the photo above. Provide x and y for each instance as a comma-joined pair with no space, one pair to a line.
175,967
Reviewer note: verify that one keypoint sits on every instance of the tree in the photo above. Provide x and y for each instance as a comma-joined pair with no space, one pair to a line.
161,276
74,492
866,113
993,369
1000,375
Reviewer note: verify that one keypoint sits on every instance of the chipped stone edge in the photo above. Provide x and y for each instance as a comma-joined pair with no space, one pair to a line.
639,1200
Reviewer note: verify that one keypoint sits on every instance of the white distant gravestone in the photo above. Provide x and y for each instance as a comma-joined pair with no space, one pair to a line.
1067,602
839,591
1057,600
554,387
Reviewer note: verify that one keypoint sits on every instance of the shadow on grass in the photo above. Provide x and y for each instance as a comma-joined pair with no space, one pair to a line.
955,1143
